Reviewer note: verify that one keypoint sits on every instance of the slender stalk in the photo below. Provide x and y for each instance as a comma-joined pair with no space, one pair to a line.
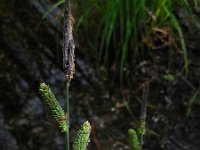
67,143
68,57
142,128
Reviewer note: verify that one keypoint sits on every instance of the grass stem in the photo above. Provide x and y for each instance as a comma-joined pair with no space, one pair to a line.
67,143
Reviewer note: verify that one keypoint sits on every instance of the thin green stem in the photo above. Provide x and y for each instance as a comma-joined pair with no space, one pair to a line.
67,146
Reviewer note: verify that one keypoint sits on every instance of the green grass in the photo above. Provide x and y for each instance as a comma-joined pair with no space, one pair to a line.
127,28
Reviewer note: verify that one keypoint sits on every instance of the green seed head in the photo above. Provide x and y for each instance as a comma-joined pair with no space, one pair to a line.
53,106
82,137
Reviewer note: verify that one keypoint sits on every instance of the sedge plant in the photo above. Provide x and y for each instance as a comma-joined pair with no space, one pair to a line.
48,97
58,114
129,28
129,22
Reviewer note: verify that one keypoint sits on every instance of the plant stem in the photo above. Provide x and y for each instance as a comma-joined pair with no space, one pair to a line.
67,146
142,128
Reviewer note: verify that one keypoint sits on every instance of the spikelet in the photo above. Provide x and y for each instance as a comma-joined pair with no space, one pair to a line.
82,137
53,106
142,130
68,43
133,140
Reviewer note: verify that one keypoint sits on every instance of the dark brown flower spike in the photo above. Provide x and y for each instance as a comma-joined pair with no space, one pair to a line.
68,43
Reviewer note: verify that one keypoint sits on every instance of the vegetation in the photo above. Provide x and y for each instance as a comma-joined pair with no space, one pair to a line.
128,29
134,140
130,55
135,27
54,107
58,114
82,137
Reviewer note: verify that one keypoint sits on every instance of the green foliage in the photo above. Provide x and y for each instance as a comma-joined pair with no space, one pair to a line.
82,137
130,27
133,140
126,28
53,106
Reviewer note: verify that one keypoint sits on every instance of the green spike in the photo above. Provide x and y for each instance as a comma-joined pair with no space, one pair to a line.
142,129
133,140
54,107
82,137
